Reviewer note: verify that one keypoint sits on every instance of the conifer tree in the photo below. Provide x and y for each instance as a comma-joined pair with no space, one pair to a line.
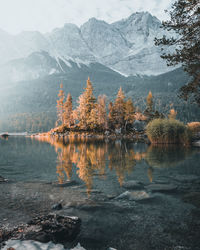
68,112
119,109
60,106
172,114
93,122
86,105
129,113
149,111
110,116
150,102
185,22
102,113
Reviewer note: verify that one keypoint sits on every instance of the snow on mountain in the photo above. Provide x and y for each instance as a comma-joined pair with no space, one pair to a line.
68,42
126,46
105,42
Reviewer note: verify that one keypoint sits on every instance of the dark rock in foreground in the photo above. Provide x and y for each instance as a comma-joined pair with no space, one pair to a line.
52,227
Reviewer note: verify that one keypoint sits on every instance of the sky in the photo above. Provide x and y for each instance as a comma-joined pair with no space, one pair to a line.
45,15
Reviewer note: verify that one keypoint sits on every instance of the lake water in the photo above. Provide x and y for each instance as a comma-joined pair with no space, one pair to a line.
95,181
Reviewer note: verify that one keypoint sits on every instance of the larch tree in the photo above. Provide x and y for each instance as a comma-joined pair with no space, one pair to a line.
86,105
185,22
68,112
172,114
110,115
119,109
150,102
102,112
129,113
60,106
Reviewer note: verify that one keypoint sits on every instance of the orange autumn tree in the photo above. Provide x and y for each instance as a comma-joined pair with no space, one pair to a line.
60,106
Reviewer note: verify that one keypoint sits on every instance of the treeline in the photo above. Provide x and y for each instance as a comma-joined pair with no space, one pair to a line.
94,114
30,122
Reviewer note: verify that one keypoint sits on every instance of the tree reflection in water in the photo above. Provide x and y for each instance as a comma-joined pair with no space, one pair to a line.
90,158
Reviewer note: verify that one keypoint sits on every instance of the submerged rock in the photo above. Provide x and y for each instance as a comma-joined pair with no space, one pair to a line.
57,206
3,179
186,178
65,184
52,227
161,187
132,184
135,195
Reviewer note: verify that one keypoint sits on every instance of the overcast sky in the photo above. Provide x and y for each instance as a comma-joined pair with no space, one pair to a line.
45,15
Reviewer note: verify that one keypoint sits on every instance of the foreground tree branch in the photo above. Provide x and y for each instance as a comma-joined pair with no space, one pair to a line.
185,21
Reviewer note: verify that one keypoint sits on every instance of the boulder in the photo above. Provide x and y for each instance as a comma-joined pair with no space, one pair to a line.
52,227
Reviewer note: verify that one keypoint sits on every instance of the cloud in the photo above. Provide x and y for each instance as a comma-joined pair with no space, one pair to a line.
44,15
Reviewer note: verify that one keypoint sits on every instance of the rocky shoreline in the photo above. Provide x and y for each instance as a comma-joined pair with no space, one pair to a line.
46,228
145,216
83,136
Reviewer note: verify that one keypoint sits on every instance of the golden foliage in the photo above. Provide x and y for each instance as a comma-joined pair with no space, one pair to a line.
194,126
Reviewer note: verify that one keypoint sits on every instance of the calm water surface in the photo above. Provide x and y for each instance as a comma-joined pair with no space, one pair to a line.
93,163
39,171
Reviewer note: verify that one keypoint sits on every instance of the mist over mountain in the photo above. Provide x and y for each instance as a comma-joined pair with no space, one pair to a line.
126,46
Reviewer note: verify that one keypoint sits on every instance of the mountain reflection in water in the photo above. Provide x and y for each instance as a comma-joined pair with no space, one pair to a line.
92,158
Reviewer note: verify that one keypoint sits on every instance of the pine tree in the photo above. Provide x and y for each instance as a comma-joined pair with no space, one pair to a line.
185,22
129,113
60,106
68,112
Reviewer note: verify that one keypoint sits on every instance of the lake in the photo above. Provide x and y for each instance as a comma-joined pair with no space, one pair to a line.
128,195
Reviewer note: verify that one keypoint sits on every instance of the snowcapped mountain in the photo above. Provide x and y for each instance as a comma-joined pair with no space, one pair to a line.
126,46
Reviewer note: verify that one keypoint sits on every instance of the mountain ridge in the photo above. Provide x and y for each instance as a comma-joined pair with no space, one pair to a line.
126,46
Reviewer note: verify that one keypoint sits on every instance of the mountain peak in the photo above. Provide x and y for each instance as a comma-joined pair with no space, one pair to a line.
142,19
93,22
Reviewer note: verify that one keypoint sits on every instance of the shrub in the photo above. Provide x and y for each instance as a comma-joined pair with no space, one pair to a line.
194,127
167,131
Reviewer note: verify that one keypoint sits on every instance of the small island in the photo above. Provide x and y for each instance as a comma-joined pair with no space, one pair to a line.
120,119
